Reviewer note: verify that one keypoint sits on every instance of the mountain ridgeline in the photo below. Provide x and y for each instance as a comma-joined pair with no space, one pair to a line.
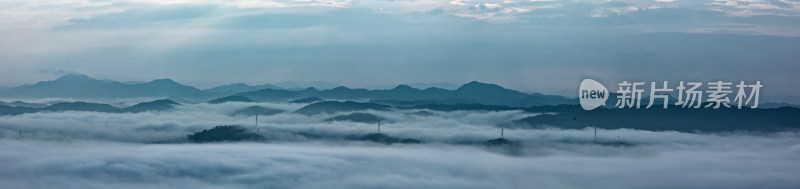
157,105
224,133
233,98
82,86
336,106
473,92
359,117
366,105
87,88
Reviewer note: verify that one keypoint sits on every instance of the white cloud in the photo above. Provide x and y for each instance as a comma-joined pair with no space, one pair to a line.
459,2
491,6
747,8
605,12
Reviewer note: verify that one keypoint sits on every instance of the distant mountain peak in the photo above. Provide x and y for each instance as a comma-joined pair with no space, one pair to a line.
311,89
165,81
435,89
340,88
71,80
74,77
232,98
165,101
403,87
479,85
238,85
85,87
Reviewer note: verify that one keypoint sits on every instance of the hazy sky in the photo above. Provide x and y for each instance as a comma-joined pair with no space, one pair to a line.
533,45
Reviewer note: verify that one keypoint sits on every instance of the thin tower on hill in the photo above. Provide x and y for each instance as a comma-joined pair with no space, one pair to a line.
258,130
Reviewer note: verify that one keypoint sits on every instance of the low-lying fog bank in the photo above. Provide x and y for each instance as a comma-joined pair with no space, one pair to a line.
716,162
76,149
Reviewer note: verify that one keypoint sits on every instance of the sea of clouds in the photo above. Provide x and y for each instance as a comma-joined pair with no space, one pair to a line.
148,150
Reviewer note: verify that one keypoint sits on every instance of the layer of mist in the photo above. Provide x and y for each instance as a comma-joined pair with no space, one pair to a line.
76,149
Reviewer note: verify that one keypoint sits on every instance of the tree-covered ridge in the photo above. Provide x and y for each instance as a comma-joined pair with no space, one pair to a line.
224,133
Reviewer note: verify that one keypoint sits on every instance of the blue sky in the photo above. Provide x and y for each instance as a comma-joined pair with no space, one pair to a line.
545,46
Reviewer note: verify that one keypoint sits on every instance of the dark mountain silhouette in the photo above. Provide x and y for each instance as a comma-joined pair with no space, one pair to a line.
776,105
82,86
508,146
473,92
385,139
346,93
497,142
278,95
157,105
482,107
224,133
487,93
70,85
538,99
358,117
23,104
556,108
181,100
412,103
256,110
294,86
240,88
424,113
8,110
81,106
673,118
418,85
234,98
164,88
457,107
336,106
306,100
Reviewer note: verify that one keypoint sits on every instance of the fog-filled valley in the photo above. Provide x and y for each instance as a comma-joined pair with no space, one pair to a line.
338,144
